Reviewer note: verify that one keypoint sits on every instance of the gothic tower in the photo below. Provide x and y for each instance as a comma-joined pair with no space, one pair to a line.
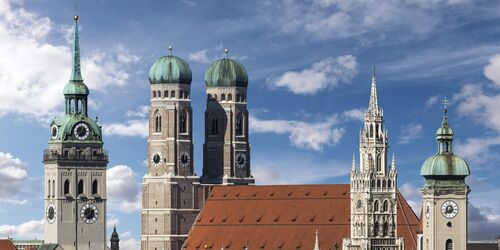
444,195
170,202
115,240
75,170
226,152
373,187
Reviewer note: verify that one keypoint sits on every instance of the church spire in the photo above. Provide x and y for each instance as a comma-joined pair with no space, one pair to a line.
76,73
316,242
115,241
373,105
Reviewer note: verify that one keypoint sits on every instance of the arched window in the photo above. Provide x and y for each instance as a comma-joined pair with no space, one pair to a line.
378,183
389,183
373,184
183,122
80,187
386,206
229,97
158,123
72,106
48,189
154,94
165,94
172,94
385,228
214,126
95,187
223,97
376,131
376,206
159,94
379,163
215,97
66,187
239,124
449,244
371,130
384,184
370,161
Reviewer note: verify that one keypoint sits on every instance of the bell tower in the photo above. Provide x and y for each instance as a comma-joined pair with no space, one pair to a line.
226,152
75,170
170,200
373,186
445,194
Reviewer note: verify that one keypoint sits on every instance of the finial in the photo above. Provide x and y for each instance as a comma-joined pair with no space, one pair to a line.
445,104
445,118
393,163
75,18
170,48
226,52
353,161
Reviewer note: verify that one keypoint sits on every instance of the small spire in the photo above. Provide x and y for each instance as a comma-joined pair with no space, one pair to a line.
373,105
226,52
76,73
316,243
353,166
222,248
393,163
170,48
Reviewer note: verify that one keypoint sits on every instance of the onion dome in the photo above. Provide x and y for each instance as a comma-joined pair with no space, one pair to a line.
170,70
226,73
445,164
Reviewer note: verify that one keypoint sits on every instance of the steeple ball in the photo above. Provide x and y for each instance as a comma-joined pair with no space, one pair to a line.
170,69
226,72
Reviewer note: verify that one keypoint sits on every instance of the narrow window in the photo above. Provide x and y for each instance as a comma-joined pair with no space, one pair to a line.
378,183
53,188
376,131
379,163
229,97
238,98
209,97
214,126
375,228
371,131
449,244
183,122
385,228
181,94
159,94
154,94
370,161
243,98
66,187
376,206
48,189
165,94
389,183
223,97
386,206
158,123
94,187
239,124
80,187
172,94
384,184
187,94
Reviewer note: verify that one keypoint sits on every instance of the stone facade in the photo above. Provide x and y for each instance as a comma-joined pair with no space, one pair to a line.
373,188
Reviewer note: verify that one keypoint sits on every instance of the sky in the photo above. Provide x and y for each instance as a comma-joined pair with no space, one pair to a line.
309,65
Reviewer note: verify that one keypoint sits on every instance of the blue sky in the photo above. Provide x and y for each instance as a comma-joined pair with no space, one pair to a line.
309,64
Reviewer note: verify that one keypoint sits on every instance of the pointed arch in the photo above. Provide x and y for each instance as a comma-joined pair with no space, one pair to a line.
183,122
376,206
165,94
157,121
229,97
385,206
449,244
95,187
80,187
239,124
159,93
223,97
172,94
371,130
66,187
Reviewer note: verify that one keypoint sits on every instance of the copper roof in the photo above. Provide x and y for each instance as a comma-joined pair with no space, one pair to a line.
283,217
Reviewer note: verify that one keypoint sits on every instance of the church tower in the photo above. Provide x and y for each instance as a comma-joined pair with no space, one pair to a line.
373,186
444,195
170,200
75,170
226,152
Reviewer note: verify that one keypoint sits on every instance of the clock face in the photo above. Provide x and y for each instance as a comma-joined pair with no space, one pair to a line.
81,131
241,160
89,213
427,209
156,159
54,131
449,209
51,213
184,159
359,204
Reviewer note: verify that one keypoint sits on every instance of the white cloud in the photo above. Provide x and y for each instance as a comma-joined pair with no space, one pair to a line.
412,196
123,191
355,114
130,128
28,230
200,56
141,112
13,175
482,106
313,136
41,69
410,132
324,74
127,242
492,71
433,100
290,169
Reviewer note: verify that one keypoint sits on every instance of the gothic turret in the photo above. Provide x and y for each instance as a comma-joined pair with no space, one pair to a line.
115,240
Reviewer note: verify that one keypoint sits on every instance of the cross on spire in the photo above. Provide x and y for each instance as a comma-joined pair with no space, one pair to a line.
445,104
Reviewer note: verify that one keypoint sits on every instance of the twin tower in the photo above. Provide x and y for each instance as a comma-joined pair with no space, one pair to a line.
172,195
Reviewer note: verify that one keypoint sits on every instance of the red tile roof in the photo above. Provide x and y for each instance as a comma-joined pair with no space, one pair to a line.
283,216
7,245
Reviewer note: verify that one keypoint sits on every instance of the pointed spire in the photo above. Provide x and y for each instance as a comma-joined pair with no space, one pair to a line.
115,245
373,106
353,167
316,242
393,163
76,73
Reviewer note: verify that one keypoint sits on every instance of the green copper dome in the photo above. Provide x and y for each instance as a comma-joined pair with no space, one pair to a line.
444,164
170,69
226,73
76,88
